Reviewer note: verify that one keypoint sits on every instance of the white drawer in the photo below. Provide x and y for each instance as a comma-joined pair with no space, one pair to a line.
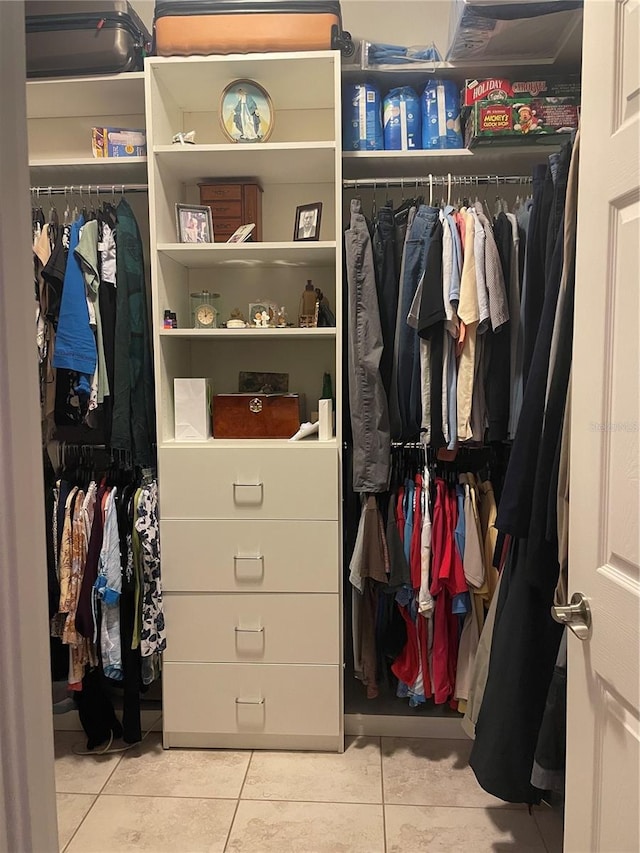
252,628
250,705
283,483
249,556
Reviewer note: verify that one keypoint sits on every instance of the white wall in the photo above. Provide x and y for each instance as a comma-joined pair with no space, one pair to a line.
27,789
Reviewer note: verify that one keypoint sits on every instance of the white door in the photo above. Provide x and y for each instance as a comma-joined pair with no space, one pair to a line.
603,718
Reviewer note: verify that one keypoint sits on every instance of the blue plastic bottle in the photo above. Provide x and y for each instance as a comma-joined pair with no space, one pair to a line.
441,115
362,120
402,121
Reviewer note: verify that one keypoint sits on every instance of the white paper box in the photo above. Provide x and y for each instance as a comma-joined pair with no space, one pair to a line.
191,409
325,417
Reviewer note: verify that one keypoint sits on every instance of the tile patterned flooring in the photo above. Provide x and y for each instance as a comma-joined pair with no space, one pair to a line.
384,795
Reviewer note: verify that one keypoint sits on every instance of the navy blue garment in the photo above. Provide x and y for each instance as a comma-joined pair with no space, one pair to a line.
386,270
133,427
75,347
535,263
407,365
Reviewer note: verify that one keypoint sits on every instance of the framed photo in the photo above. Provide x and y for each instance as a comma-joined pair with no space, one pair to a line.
194,223
242,234
308,218
246,112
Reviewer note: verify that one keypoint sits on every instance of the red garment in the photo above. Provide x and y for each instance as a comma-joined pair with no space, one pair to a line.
461,225
407,665
447,580
400,513
438,537
457,581
416,537
445,624
447,569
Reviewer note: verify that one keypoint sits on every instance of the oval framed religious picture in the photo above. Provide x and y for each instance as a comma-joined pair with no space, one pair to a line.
246,112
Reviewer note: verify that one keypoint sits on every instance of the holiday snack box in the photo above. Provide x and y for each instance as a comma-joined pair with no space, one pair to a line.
499,89
118,142
538,119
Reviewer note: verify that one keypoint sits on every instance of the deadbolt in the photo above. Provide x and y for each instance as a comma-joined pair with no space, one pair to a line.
576,615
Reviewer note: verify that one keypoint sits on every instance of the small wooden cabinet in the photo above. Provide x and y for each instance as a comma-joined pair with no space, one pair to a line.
233,203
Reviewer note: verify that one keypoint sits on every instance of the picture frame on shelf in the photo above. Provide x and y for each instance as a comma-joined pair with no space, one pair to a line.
242,234
194,223
246,112
307,224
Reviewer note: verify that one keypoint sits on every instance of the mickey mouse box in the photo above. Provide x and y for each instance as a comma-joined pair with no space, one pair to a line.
537,119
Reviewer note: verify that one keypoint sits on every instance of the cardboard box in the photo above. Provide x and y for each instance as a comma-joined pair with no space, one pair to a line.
499,89
538,119
118,142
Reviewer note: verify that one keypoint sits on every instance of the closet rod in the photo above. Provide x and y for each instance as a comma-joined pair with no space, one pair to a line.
436,181
89,189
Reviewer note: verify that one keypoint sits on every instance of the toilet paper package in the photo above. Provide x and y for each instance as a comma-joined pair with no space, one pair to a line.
362,118
402,125
441,115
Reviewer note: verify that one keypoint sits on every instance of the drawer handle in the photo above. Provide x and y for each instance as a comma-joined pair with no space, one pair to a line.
246,497
259,559
249,630
249,701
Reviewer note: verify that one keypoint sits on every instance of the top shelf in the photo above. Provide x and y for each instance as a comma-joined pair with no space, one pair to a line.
65,97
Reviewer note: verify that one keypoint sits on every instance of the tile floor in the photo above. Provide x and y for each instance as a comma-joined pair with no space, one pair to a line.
384,795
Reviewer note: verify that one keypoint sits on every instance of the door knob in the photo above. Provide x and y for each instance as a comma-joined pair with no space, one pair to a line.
576,615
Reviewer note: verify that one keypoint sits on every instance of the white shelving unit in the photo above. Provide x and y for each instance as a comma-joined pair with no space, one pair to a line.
250,529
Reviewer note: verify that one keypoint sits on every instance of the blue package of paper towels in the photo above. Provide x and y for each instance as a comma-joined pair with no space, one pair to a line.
362,118
402,124
441,115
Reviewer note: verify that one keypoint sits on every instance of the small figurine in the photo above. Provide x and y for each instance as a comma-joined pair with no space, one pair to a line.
236,320
262,319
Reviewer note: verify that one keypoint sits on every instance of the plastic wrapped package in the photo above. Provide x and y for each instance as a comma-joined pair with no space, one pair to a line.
362,120
402,120
441,115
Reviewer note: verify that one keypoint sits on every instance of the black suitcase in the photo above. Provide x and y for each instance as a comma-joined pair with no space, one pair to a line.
203,27
69,39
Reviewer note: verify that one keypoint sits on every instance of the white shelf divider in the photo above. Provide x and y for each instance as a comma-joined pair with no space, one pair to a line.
513,159
254,333
88,170
243,255
271,162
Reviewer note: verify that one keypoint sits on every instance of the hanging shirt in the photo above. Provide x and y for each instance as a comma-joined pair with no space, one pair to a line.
87,252
75,343
468,311
481,284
